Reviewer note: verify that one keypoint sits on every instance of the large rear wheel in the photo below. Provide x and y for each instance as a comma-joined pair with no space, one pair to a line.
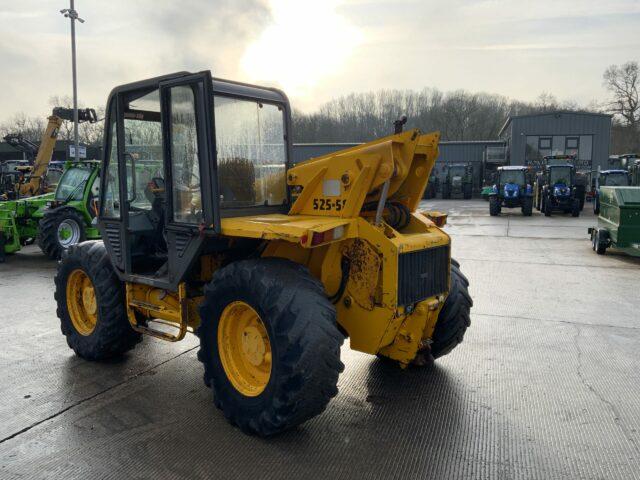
91,307
270,344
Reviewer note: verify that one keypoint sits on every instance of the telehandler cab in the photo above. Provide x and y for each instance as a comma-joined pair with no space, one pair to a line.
270,266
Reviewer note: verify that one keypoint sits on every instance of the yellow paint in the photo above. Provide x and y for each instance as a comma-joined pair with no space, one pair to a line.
155,305
244,348
41,163
329,193
81,302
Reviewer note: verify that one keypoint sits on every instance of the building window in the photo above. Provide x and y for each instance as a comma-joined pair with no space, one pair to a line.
571,144
585,151
544,143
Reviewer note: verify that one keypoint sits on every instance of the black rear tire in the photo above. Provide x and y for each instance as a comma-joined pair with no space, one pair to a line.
467,191
48,240
575,209
494,206
546,207
602,242
527,206
113,334
304,338
596,206
454,318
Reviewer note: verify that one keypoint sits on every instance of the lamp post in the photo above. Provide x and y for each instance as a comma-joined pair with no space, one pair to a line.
72,15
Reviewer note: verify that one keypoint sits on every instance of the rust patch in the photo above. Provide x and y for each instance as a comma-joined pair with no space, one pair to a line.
363,273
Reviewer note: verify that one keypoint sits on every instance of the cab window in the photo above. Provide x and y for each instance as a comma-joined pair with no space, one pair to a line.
251,153
185,165
143,151
72,184
111,206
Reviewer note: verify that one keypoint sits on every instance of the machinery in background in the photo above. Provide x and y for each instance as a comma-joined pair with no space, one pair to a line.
270,267
55,220
608,178
493,158
634,173
618,221
32,179
511,190
432,187
622,162
458,181
555,188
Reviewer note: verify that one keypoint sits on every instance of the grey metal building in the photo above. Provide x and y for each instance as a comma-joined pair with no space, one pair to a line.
478,153
60,152
531,137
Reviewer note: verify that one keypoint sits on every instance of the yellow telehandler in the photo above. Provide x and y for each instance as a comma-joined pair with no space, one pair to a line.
208,228
33,179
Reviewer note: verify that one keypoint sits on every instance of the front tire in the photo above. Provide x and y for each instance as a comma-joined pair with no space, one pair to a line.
60,229
454,318
296,359
527,207
546,207
575,209
467,191
494,206
91,304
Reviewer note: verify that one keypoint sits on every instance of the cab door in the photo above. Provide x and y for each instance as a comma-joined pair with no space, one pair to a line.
157,185
189,152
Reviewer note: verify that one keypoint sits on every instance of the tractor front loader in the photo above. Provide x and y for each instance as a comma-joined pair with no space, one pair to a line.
270,266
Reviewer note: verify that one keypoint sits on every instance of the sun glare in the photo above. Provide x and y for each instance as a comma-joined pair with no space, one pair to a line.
306,42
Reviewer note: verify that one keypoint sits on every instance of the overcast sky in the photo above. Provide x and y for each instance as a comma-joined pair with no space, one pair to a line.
318,49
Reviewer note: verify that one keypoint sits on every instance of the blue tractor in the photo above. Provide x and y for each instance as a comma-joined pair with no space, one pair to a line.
608,178
511,191
557,190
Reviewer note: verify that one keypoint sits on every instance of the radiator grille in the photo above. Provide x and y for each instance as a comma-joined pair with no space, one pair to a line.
422,274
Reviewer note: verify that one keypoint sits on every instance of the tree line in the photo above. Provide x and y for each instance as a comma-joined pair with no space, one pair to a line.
458,115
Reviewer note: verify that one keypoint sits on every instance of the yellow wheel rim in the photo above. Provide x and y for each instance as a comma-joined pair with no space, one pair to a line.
244,348
81,302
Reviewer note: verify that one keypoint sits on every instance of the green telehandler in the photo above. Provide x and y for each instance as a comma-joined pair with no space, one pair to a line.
55,220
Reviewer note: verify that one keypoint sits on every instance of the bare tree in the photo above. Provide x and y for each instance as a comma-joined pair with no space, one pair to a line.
622,83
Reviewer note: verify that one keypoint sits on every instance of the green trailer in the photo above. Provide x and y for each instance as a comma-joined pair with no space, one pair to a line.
619,221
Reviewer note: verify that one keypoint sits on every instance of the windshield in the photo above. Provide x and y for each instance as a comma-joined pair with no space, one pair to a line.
560,175
457,171
251,153
72,182
512,176
615,180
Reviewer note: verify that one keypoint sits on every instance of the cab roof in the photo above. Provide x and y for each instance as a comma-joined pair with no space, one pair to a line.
607,172
514,167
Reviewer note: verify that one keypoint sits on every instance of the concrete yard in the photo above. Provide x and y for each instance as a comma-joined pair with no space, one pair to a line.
545,386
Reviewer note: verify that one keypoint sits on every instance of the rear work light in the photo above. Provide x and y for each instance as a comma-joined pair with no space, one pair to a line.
318,238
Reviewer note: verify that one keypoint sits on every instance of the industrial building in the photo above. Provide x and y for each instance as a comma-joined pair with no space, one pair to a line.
530,137
60,153
523,140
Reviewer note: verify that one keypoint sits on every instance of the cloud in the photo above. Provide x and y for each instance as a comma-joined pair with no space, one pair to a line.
317,50
121,41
